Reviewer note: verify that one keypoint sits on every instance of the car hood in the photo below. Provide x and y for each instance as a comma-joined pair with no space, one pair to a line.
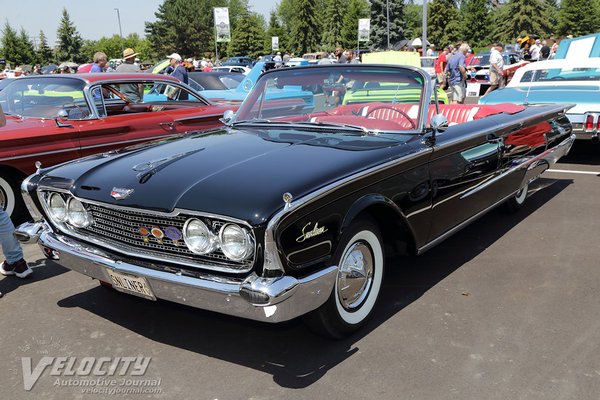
585,98
231,172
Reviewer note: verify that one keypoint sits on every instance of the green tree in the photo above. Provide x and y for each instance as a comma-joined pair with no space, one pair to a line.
249,35
111,46
443,23
379,34
237,10
414,19
184,26
520,16
10,44
357,9
551,7
275,29
333,23
69,40
26,51
475,22
306,26
577,18
44,52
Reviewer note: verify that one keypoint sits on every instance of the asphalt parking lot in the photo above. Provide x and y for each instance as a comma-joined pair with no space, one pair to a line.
506,309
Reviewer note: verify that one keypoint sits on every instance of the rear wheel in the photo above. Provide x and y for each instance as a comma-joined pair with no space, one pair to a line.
10,198
358,282
516,202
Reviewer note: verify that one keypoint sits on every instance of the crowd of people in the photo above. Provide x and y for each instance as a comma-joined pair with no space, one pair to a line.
453,64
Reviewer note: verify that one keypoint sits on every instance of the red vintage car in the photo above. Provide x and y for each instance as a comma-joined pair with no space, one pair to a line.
56,118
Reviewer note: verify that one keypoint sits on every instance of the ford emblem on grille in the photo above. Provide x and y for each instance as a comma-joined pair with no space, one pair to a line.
120,193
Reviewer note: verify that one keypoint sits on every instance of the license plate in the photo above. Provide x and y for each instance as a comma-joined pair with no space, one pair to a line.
136,285
473,89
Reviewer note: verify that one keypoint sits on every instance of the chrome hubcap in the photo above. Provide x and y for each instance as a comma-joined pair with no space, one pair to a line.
355,276
2,199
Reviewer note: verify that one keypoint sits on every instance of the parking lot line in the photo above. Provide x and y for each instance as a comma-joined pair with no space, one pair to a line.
568,171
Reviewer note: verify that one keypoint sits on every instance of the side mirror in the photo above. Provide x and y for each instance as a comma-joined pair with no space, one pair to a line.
61,117
439,123
227,117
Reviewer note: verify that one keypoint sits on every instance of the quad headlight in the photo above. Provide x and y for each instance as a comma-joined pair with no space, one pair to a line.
236,243
70,211
57,207
198,238
77,215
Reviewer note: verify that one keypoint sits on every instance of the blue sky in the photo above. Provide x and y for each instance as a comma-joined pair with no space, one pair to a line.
93,19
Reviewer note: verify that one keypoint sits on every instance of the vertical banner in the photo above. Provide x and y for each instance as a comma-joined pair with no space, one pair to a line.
275,43
222,24
364,27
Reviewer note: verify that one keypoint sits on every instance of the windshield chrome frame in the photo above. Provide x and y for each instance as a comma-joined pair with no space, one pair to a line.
424,101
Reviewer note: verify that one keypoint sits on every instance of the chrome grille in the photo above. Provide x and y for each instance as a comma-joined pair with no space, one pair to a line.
120,229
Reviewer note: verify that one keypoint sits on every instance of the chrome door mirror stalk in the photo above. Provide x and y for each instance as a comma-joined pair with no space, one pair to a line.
227,117
439,123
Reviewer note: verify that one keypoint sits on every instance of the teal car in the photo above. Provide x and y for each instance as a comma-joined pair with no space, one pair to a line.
558,81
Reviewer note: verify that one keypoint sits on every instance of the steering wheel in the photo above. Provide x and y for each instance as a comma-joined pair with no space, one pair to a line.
413,125
82,112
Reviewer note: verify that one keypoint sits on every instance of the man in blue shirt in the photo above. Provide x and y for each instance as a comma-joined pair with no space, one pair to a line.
100,61
179,70
458,74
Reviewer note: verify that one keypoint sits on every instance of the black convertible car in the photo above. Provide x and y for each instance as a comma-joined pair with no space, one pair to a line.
292,208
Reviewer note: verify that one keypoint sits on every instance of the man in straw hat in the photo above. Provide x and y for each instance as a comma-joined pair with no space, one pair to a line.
133,90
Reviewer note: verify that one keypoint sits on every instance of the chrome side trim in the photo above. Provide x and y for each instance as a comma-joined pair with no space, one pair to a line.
562,149
458,227
197,117
285,297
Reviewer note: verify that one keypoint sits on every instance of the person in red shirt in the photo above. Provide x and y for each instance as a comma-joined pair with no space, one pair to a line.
440,66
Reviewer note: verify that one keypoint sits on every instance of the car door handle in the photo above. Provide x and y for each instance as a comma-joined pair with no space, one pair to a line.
168,126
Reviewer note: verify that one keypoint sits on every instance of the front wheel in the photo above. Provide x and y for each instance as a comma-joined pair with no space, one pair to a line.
358,282
516,202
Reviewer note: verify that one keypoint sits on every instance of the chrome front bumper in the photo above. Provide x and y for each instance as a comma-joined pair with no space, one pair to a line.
263,299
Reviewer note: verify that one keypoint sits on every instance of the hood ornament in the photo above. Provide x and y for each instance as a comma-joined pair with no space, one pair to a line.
120,193
287,199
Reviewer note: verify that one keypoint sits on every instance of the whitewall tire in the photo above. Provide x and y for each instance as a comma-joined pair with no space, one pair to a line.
360,259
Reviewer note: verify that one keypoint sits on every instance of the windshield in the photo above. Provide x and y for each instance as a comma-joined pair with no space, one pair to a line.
561,74
44,98
361,96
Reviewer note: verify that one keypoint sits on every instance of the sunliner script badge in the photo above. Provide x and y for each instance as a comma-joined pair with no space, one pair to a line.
307,234
121,193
